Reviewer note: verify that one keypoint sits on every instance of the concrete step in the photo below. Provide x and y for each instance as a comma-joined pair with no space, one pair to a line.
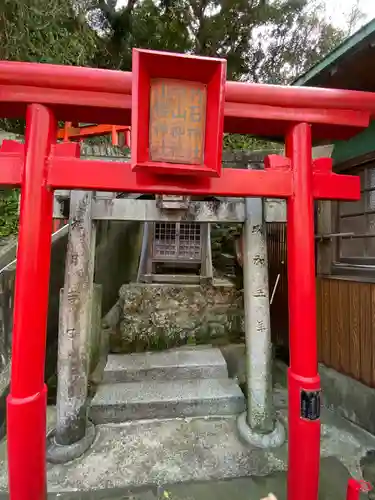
167,365
151,399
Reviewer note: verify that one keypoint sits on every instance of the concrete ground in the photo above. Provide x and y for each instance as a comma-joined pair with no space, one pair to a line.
155,455
200,459
333,480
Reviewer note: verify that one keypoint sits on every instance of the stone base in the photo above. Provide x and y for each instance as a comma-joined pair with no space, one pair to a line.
61,454
128,456
150,399
174,364
348,398
274,439
159,316
343,395
156,452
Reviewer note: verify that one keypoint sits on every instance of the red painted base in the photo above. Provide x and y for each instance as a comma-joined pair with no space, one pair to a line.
304,442
26,429
355,488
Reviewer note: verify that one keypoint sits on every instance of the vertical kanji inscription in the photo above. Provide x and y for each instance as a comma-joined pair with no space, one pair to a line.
177,121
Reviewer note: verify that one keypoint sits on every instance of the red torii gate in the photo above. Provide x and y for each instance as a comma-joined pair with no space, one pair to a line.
47,93
70,132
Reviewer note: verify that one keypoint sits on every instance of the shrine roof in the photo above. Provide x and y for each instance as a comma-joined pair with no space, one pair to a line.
348,66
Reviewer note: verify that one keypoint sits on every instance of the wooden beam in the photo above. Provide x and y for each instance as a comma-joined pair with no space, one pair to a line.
325,247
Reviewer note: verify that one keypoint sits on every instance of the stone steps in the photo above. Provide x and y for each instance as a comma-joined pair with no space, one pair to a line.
168,365
160,399
183,382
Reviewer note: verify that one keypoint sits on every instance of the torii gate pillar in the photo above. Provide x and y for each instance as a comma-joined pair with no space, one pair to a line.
303,377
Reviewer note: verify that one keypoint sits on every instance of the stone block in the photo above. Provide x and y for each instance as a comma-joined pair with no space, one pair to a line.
122,402
163,316
169,365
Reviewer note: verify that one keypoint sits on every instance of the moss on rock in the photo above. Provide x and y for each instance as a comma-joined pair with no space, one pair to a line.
165,316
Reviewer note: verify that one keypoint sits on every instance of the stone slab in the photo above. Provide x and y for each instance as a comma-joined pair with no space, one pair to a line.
166,399
157,452
167,365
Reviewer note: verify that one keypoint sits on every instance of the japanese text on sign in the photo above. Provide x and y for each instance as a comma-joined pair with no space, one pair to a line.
177,121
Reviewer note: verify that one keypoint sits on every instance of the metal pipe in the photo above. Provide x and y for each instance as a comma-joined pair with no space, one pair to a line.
26,404
303,377
274,289
260,417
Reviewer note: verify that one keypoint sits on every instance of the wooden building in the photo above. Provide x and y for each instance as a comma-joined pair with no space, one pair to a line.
345,231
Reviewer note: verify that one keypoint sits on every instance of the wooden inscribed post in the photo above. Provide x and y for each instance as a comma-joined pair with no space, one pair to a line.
177,121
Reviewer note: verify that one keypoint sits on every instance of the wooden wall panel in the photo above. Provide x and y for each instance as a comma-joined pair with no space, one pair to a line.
372,346
277,262
334,324
345,315
343,326
325,325
366,334
346,322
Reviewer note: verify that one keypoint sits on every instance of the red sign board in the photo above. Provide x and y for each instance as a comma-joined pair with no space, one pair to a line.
177,113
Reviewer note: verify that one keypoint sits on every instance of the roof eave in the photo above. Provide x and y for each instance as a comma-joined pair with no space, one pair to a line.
334,57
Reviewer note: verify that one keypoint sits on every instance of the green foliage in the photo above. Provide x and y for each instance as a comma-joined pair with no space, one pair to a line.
268,41
262,40
8,212
298,38
45,31
236,142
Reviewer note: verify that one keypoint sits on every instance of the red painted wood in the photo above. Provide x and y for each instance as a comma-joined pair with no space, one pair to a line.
274,121
116,176
26,404
149,65
10,169
72,173
303,435
49,76
73,133
92,95
68,105
355,488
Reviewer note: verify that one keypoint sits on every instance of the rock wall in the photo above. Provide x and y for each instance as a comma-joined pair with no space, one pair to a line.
163,316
